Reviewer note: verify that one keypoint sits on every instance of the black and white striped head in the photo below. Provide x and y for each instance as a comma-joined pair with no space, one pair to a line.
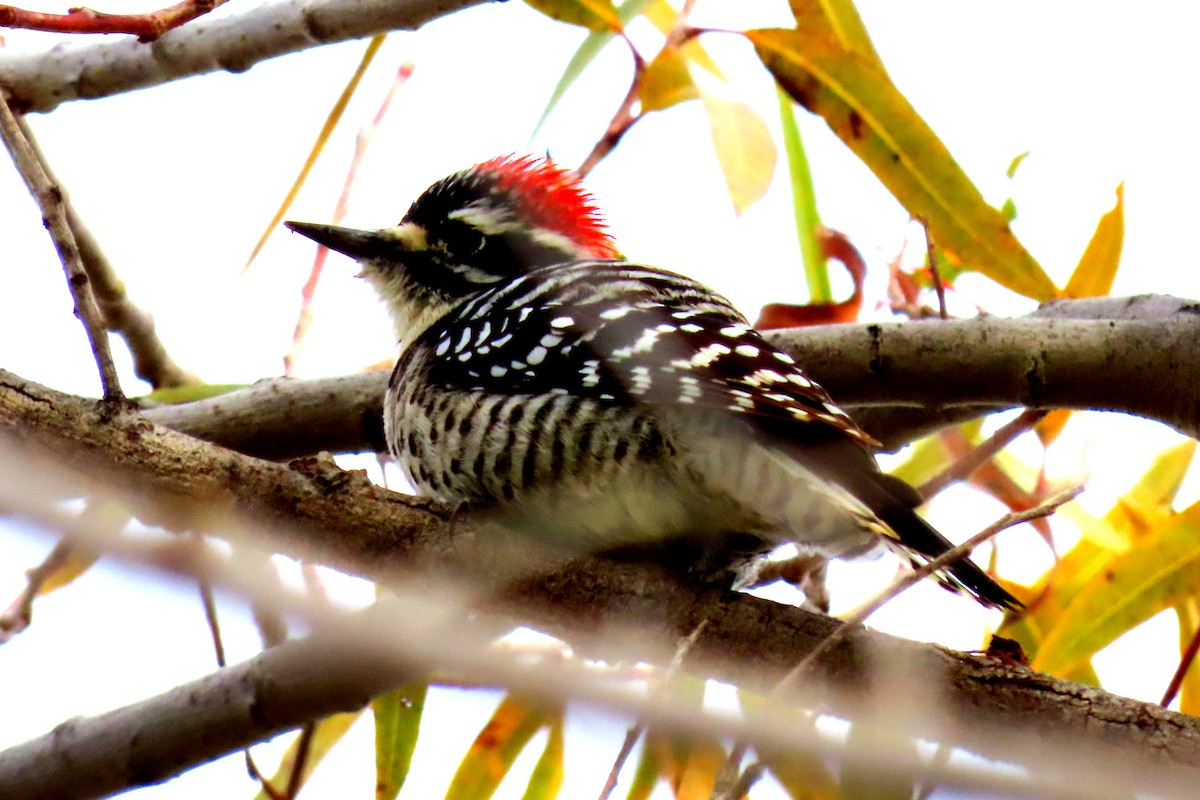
482,225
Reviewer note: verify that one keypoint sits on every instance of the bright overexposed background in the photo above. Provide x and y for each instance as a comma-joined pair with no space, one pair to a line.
177,182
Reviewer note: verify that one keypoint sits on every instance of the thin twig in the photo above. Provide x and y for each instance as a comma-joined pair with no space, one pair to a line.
210,616
49,199
303,749
931,254
621,122
745,782
908,581
18,616
730,775
636,731
147,27
1185,663
985,452
625,119
361,143
268,789
151,362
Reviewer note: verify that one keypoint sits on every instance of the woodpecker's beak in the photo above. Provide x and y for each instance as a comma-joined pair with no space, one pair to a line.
350,241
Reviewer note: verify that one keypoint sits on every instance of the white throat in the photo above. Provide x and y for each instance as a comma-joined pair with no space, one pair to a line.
411,315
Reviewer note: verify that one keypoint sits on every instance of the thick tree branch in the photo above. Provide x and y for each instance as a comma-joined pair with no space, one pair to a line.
1000,710
1133,355
1104,746
158,738
87,70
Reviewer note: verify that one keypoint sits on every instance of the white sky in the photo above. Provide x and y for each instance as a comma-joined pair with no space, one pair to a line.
178,181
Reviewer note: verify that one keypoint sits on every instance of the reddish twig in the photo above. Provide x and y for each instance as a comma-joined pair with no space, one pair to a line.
985,452
146,27
931,257
263,781
621,122
360,148
303,749
1185,663
625,118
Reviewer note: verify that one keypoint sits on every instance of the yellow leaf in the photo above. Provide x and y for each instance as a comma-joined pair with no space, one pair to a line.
331,121
663,16
595,15
1051,425
1146,507
1161,572
840,18
690,765
496,748
1148,503
1093,276
744,148
547,777
858,101
666,81
328,732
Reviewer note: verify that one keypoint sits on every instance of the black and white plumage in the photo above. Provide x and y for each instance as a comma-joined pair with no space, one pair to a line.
607,403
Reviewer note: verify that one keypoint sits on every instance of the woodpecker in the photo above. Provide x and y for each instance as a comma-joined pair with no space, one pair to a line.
544,379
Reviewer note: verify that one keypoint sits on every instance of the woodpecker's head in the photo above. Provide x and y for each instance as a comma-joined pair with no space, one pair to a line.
491,222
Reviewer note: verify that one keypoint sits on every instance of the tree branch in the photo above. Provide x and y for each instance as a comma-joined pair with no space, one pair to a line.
151,361
1000,710
50,200
899,380
79,70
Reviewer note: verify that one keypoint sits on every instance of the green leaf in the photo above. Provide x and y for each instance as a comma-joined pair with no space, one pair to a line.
328,732
547,777
1160,573
666,81
645,776
397,723
802,774
496,747
868,113
804,204
587,52
190,393
1093,276
595,15
1015,164
744,148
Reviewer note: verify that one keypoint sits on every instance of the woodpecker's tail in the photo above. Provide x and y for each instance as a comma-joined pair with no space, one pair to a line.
918,541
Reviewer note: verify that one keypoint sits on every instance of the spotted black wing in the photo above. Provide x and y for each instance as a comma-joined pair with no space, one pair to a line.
623,332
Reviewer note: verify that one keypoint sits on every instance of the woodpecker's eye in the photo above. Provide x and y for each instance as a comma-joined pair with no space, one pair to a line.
461,240
472,240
